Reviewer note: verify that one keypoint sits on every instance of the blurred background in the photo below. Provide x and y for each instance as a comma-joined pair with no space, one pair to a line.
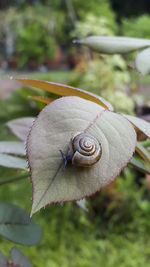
113,227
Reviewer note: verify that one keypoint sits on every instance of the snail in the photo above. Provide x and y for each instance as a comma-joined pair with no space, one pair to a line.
84,150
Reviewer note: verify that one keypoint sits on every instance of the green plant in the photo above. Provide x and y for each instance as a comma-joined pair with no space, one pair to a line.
34,44
54,178
106,76
136,27
94,25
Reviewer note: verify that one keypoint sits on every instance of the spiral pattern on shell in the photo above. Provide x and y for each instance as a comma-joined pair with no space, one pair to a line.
87,150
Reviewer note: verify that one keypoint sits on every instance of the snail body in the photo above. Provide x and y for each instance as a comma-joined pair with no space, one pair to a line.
84,150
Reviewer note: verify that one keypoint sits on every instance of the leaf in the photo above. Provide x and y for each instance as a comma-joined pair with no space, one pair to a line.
139,165
114,44
143,152
140,124
16,225
57,123
142,62
3,260
81,204
21,127
18,258
42,99
65,90
9,147
12,162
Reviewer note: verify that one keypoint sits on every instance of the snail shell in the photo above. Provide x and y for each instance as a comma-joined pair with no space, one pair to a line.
86,150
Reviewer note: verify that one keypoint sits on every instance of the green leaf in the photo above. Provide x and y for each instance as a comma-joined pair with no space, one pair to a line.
140,124
18,258
57,123
65,90
12,162
9,147
21,127
142,62
114,44
143,152
139,165
3,260
16,225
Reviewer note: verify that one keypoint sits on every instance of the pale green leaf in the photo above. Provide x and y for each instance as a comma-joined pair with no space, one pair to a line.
139,165
81,204
12,162
20,127
140,124
57,123
143,152
10,147
142,62
114,44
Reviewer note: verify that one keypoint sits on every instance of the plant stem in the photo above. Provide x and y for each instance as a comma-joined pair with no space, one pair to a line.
15,178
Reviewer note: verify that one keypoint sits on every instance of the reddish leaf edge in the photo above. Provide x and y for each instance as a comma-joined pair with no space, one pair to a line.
85,196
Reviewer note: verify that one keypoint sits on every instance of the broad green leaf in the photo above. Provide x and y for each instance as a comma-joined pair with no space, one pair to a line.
139,165
21,127
140,124
65,90
18,258
3,260
42,99
9,147
57,123
143,152
12,162
16,225
142,62
114,44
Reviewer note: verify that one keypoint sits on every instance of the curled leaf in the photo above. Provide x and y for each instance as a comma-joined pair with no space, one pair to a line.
142,62
56,124
143,152
140,124
65,90
114,44
139,165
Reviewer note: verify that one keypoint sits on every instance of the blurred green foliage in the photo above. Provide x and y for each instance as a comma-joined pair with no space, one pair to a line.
136,27
34,44
53,18
104,75
108,77
115,231
95,25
